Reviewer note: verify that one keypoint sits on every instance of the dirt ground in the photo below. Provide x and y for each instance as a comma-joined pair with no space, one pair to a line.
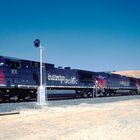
108,121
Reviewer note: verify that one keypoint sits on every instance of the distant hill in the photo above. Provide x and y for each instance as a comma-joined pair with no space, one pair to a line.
131,73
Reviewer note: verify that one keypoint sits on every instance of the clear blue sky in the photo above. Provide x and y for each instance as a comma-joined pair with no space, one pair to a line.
97,35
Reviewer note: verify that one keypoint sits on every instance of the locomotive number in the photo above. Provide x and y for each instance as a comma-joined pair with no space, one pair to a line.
13,71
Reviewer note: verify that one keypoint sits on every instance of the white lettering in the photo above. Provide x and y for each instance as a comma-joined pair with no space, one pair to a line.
62,79
124,83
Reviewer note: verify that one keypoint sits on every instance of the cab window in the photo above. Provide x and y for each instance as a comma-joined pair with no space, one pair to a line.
13,64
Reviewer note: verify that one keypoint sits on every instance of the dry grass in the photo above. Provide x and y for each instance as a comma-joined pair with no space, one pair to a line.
131,73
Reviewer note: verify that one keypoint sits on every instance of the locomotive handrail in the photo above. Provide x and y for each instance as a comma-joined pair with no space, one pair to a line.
99,86
34,86
138,88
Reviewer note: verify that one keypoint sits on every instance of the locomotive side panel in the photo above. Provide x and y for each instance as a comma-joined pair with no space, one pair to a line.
116,84
118,81
62,77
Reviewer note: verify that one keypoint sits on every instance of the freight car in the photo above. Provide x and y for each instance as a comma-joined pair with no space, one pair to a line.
20,78
112,84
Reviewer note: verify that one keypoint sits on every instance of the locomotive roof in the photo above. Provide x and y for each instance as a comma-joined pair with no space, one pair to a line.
17,59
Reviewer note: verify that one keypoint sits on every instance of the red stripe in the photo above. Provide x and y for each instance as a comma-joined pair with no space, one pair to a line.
2,77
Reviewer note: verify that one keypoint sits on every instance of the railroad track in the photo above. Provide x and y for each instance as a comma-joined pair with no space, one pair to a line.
62,98
17,107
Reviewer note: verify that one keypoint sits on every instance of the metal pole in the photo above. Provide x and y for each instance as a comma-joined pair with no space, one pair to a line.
41,97
41,94
41,61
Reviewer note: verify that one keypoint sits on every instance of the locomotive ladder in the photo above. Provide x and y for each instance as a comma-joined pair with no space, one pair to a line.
138,89
99,87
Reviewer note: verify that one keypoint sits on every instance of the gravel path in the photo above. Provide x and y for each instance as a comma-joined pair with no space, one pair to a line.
75,120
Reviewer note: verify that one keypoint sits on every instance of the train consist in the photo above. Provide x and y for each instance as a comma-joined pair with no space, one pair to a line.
20,78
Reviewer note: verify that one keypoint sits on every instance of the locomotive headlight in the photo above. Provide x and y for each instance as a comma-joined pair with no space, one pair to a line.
1,64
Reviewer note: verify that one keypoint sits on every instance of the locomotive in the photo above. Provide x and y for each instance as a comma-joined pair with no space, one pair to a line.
19,80
111,84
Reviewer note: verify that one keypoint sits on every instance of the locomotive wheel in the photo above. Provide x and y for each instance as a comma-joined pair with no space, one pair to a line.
14,98
109,94
27,98
85,95
0,99
95,94
90,95
104,94
5,99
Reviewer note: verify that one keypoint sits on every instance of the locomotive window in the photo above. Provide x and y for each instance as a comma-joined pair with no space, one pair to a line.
12,63
17,64
34,64
85,76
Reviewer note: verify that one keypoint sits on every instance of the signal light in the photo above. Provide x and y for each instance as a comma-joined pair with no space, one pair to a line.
37,43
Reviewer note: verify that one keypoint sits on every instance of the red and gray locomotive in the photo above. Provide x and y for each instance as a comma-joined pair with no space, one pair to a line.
112,84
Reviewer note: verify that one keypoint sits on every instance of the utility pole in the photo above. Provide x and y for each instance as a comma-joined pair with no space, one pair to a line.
41,92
